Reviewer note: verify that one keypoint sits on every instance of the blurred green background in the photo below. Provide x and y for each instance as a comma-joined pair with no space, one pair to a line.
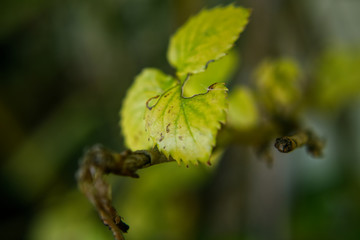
65,67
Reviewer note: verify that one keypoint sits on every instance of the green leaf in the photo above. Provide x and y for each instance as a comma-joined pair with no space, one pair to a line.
148,84
186,128
243,113
205,37
219,71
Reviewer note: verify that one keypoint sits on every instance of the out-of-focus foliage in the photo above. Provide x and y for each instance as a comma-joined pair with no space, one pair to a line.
72,218
62,132
167,200
278,84
337,78
207,36
317,214
243,112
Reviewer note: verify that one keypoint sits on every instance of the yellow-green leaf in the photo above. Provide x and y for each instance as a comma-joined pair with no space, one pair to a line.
186,128
219,71
148,84
206,37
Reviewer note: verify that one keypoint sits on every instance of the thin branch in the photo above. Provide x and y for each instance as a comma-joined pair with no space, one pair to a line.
99,161
314,145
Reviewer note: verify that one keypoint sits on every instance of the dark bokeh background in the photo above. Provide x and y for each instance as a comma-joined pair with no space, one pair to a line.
65,67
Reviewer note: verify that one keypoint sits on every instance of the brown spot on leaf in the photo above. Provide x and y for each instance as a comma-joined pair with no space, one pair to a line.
170,108
167,128
161,137
181,138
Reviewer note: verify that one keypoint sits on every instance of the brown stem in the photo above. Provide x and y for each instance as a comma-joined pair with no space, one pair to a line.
313,143
99,161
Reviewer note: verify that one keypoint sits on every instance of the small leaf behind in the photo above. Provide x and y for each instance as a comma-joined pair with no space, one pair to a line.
219,71
243,113
278,84
149,83
207,36
186,128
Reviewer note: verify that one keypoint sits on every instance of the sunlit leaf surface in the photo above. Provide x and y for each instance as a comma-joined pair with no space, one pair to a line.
206,37
186,128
